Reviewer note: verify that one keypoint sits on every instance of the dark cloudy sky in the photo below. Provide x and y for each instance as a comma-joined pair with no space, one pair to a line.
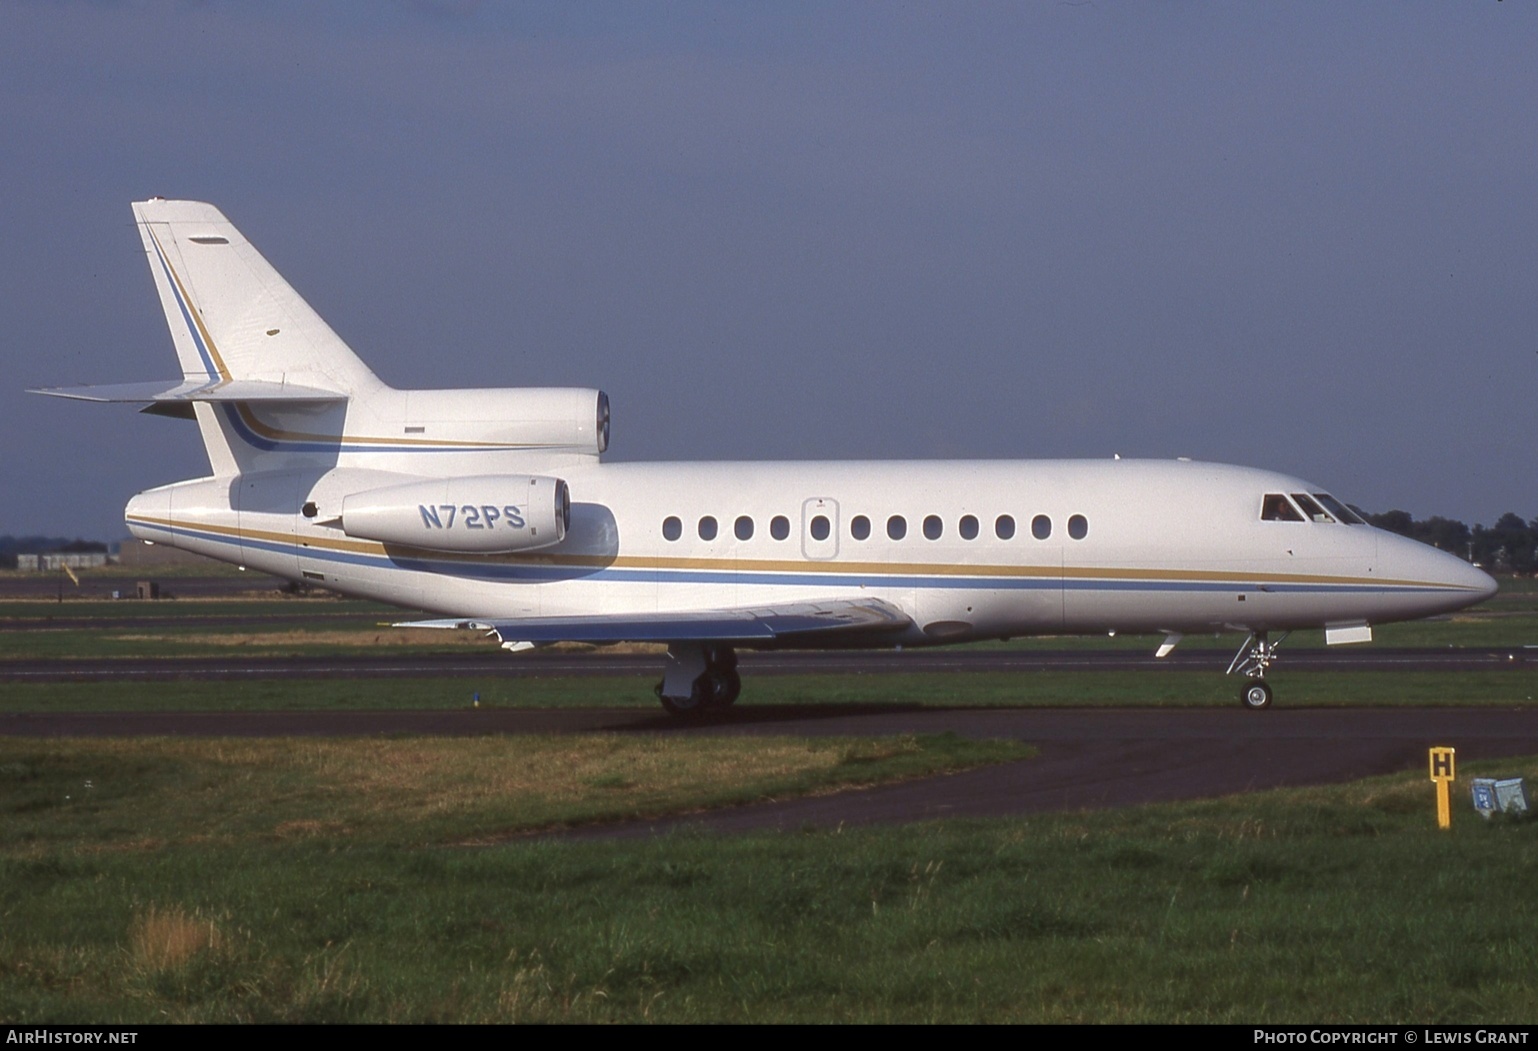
1293,235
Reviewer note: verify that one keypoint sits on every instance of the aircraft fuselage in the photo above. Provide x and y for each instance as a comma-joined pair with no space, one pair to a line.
967,549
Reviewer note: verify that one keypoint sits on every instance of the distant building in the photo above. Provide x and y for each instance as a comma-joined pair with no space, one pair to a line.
56,560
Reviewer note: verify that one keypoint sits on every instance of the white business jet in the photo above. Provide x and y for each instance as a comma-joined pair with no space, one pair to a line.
492,508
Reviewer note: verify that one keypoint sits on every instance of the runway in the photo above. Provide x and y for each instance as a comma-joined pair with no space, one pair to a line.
1088,759
492,662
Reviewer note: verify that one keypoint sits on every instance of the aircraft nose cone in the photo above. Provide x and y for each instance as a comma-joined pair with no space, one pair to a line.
1468,583
1445,583
1484,582
1453,572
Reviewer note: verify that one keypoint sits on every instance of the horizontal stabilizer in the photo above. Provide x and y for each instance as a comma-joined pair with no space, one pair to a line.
755,624
206,388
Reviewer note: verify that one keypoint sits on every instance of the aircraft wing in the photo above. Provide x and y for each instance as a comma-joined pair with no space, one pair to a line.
787,621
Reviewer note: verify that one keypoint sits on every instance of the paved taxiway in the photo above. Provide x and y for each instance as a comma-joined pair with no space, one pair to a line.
1088,759
492,662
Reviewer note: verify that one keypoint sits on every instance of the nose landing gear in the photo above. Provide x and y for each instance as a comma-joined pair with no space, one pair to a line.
1253,660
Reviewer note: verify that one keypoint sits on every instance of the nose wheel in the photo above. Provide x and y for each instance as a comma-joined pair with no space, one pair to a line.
1255,695
1252,661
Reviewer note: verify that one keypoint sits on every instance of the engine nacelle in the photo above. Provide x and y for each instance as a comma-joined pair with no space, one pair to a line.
489,514
541,419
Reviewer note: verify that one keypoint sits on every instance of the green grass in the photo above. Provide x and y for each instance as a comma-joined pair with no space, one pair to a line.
292,626
136,794
184,903
300,640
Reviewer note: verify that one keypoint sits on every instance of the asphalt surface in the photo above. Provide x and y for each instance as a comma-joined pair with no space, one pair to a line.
493,662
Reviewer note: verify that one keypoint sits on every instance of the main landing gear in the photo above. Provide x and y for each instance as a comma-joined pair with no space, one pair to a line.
1252,661
699,678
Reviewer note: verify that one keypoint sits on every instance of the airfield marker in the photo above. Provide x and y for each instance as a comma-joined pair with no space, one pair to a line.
1442,774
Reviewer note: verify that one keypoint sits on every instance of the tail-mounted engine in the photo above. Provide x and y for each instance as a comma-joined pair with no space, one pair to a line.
491,514
542,420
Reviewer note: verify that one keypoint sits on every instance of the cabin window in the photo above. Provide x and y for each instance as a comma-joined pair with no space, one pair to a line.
707,528
743,527
779,527
1311,508
1078,527
933,527
672,528
897,527
820,527
1341,512
1004,527
968,527
1277,508
1041,527
859,527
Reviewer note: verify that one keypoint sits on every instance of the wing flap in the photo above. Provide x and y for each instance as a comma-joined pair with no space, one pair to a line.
747,624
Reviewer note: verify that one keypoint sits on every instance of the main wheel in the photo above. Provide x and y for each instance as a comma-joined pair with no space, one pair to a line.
1255,695
699,696
725,686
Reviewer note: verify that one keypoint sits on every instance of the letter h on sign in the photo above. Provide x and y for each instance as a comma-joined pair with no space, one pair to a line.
1442,764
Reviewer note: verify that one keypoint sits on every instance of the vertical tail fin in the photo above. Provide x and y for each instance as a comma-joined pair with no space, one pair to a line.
275,391
232,316
235,321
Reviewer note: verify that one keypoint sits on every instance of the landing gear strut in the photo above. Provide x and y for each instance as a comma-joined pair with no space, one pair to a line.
1252,661
699,678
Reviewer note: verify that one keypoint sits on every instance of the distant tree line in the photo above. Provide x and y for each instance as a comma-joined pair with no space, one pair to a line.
1509,546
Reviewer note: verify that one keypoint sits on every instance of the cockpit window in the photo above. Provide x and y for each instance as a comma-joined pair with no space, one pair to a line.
1277,508
1341,512
1311,508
